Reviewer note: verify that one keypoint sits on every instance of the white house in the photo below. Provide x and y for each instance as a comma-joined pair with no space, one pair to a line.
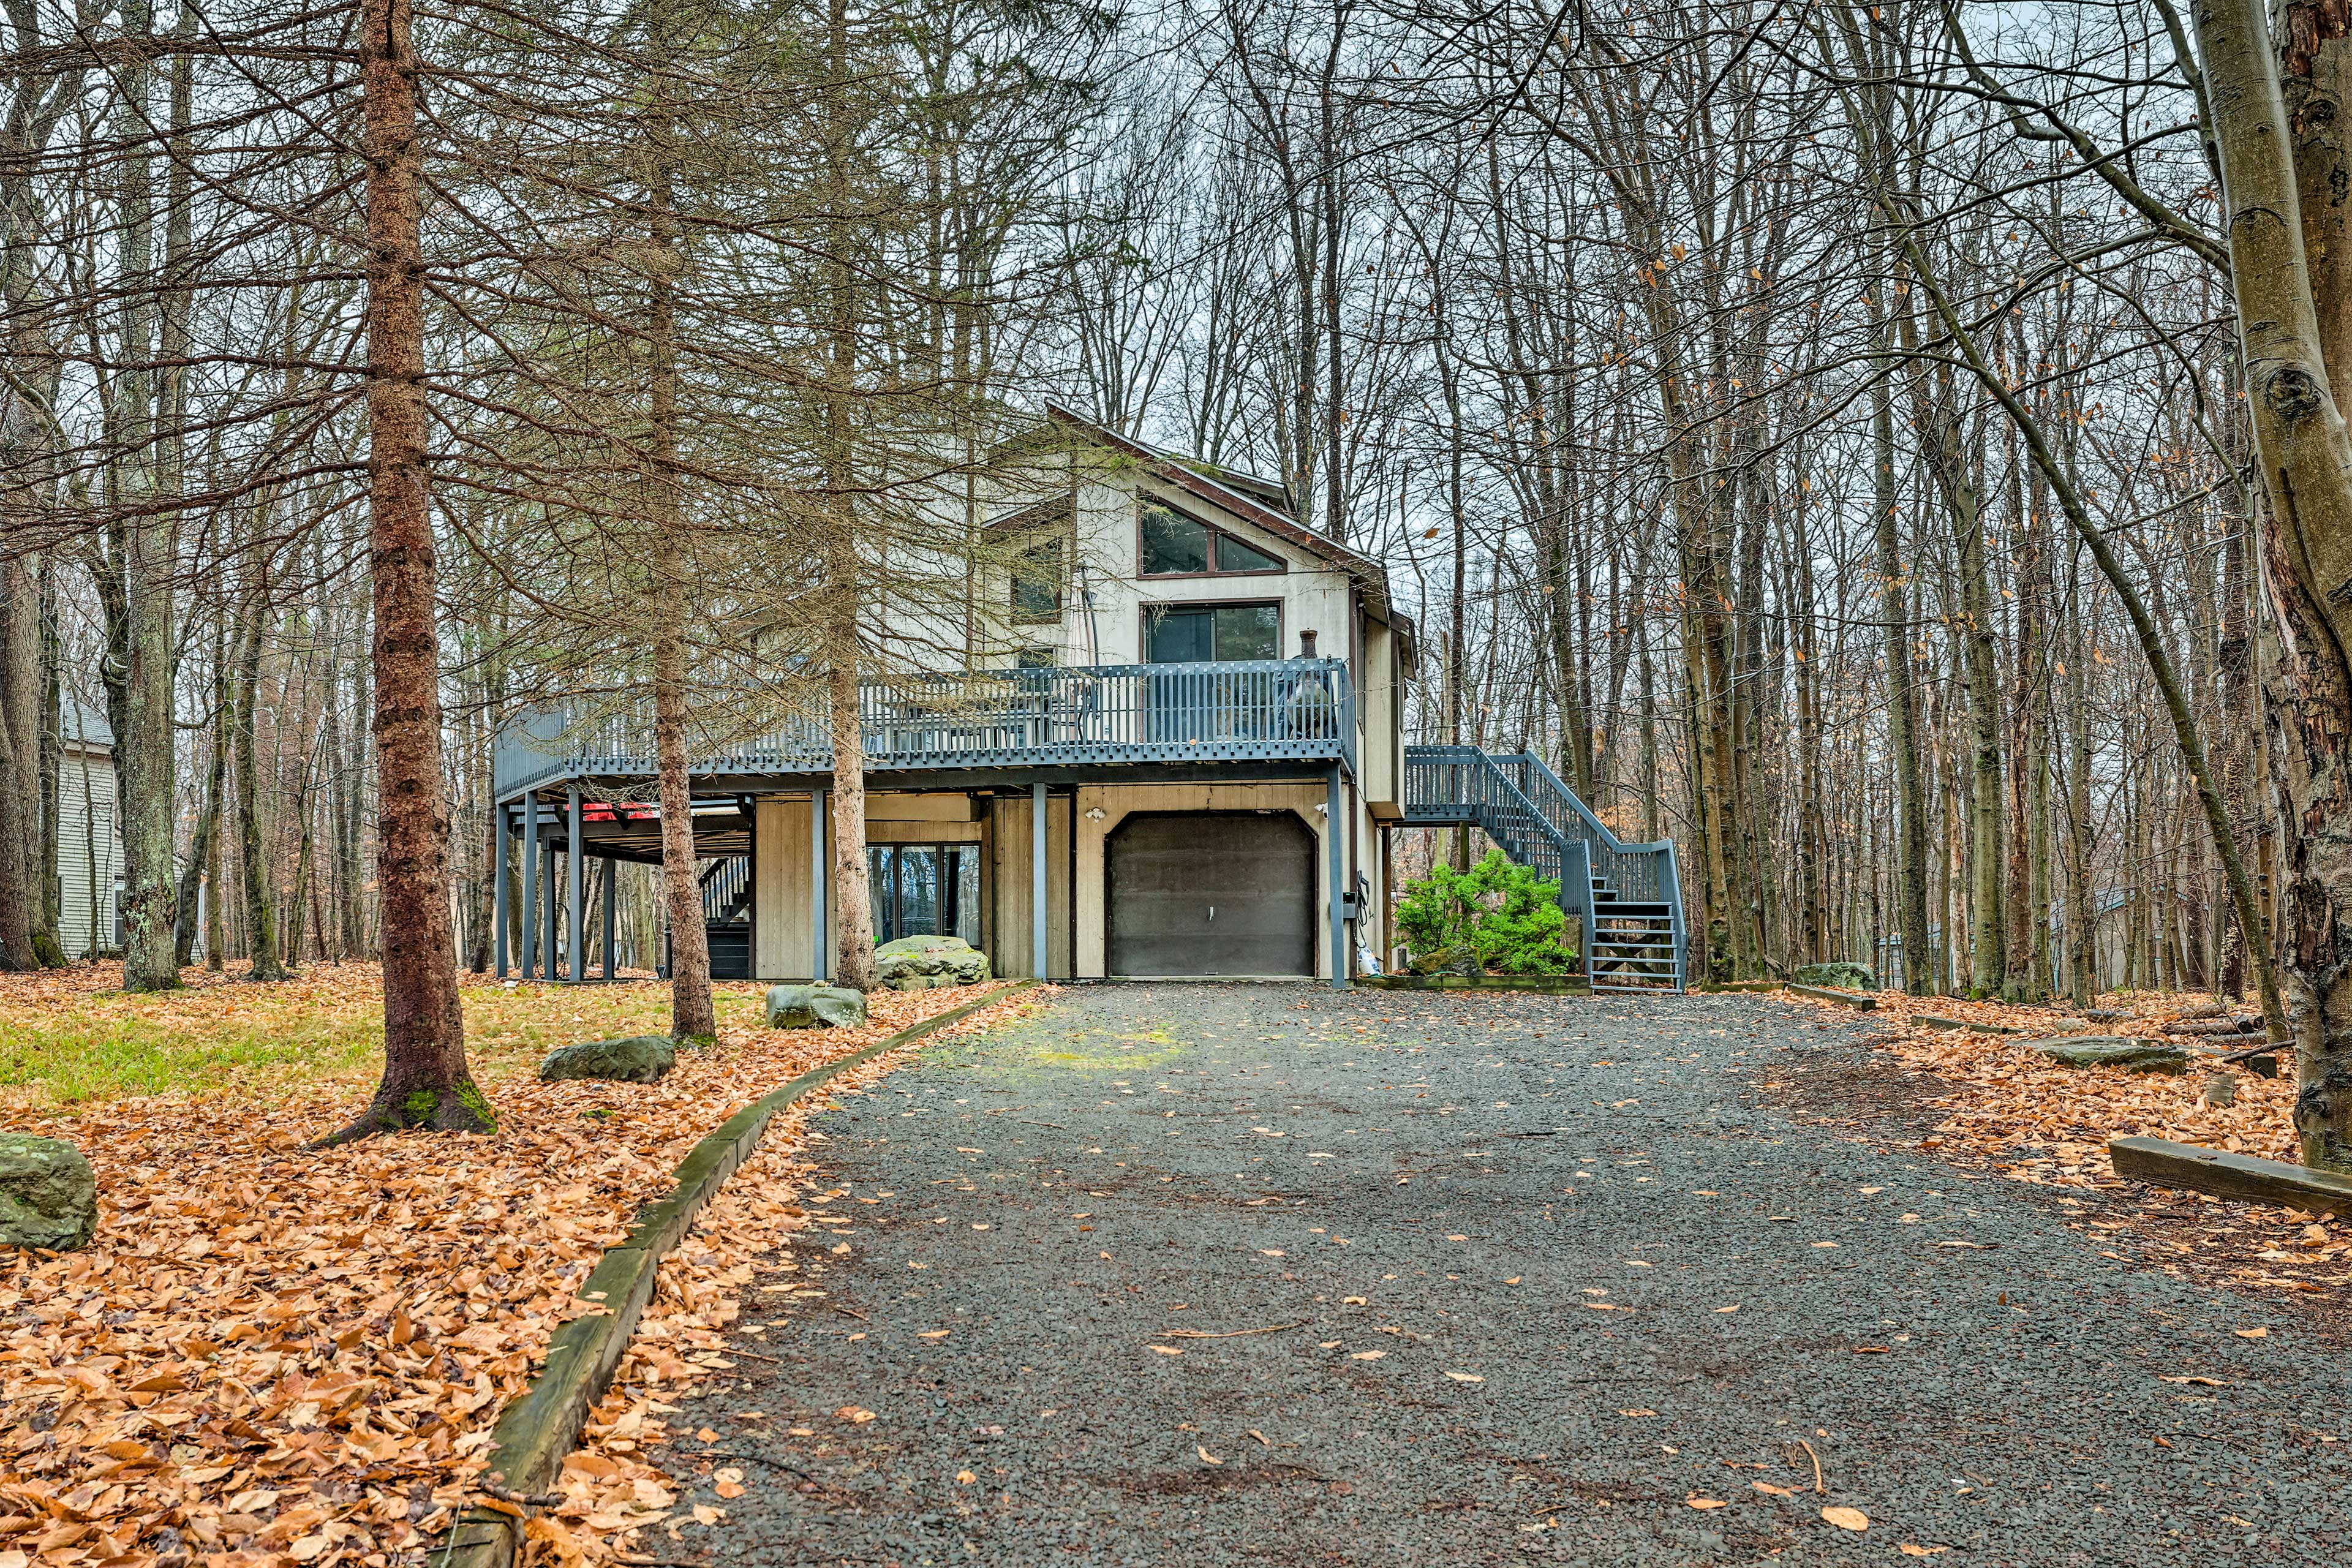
89,835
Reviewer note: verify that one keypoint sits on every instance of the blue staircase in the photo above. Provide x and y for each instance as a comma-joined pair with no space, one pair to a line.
1628,897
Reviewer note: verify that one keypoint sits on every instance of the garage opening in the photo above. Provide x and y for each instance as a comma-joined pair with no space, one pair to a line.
1212,892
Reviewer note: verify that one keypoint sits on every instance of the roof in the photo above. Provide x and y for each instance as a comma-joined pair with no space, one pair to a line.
1229,493
85,727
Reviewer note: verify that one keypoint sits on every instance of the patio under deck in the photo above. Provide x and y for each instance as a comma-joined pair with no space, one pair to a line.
584,781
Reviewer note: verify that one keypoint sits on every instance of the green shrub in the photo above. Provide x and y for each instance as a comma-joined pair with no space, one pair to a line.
1502,912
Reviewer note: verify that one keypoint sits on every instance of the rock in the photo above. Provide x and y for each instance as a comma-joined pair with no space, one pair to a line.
2115,1051
920,962
815,1007
637,1058
1848,976
48,1194
2221,1089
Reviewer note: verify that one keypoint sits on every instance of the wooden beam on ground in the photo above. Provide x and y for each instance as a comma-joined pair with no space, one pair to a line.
1823,993
2165,1163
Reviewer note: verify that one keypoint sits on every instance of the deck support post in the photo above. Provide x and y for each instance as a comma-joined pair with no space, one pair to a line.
549,966
530,886
612,911
1037,926
576,948
817,900
502,936
1333,836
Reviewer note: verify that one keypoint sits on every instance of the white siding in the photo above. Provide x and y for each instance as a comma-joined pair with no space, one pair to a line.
89,851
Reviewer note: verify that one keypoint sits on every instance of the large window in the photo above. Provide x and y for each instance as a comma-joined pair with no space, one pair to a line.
1175,546
1183,634
1037,584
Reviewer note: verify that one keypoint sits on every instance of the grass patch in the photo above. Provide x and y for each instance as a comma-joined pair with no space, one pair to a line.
63,1043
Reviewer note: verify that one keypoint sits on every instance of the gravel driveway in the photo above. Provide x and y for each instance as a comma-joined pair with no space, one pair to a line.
1272,1275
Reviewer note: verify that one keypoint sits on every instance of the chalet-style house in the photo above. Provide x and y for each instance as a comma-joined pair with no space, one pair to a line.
1181,757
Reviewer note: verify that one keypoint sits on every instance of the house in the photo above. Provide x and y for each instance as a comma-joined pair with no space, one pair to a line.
1173,746
89,835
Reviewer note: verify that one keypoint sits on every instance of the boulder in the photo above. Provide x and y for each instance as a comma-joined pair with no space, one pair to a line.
920,962
636,1058
2115,1051
48,1194
815,1007
1846,976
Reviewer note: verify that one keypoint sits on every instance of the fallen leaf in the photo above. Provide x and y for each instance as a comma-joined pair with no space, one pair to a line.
1165,1350
1705,1502
1846,1518
1768,1490
1366,1355
1466,1377
855,1415
2251,1333
965,1478
934,1334
1911,1549
1207,1456
1637,1413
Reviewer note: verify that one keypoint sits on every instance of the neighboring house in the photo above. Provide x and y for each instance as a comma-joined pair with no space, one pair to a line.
1184,761
89,836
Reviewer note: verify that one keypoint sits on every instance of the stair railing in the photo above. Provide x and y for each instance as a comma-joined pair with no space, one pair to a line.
1505,791
726,883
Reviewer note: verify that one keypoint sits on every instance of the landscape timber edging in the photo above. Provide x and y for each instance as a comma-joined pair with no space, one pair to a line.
1542,987
2272,1183
1823,992
536,1433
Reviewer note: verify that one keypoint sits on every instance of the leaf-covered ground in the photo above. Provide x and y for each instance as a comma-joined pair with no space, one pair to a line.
1994,1099
273,1355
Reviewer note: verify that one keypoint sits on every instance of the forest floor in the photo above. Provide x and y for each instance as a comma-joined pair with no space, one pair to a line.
276,1356
1993,1101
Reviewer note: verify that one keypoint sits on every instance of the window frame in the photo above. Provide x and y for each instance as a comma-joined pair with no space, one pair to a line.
1281,566
1144,613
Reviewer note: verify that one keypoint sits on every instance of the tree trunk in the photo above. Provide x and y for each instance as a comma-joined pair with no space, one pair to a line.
20,689
853,889
426,1080
143,751
201,855
1902,709
253,849
2307,467
691,1018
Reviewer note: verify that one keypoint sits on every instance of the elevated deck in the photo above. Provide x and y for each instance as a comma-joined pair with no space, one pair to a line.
1268,718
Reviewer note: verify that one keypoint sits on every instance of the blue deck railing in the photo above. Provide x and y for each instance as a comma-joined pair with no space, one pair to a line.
1296,710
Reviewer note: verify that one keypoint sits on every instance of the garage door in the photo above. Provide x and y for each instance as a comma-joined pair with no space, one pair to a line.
1208,892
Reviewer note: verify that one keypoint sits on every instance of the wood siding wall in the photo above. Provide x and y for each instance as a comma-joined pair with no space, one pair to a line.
90,852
